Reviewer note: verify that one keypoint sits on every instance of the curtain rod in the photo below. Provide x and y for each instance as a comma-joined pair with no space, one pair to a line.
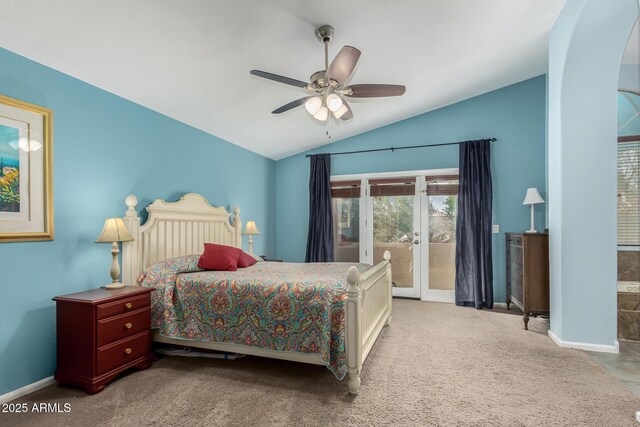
406,147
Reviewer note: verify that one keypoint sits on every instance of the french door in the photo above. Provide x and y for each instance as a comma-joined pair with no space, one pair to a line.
412,215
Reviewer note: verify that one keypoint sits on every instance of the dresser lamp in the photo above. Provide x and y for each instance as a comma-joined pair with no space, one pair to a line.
532,198
251,230
114,232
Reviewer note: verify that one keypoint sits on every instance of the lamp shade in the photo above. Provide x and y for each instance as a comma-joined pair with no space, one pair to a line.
114,231
343,109
251,229
313,104
533,197
334,102
322,114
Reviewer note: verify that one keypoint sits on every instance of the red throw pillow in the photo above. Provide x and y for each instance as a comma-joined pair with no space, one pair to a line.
246,260
219,257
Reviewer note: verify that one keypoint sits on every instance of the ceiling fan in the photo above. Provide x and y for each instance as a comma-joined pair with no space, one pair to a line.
330,85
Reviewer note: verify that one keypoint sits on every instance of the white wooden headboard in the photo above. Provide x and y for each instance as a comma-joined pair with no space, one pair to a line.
175,229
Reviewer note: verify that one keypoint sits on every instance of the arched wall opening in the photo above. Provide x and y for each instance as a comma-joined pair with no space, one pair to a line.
586,47
628,194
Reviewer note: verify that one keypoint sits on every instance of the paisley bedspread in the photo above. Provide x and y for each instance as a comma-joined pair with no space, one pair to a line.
284,307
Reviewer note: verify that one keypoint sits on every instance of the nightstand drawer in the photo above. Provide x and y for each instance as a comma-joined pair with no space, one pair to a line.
121,352
125,325
124,305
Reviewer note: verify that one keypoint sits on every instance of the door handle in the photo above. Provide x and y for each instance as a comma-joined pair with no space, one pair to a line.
415,242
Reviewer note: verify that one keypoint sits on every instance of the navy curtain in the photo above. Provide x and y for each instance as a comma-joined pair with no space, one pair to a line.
320,235
474,268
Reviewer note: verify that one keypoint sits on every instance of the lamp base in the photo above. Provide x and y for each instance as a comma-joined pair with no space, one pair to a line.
116,285
533,228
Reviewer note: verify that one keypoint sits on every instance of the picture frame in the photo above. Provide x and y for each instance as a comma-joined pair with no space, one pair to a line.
26,171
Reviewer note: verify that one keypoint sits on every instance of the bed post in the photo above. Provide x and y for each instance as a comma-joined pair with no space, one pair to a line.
387,257
237,227
354,330
130,251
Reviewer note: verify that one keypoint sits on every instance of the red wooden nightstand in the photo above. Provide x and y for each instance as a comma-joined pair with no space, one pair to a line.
101,333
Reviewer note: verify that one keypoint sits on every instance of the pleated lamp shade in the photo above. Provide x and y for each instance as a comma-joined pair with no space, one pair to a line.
114,231
533,197
251,229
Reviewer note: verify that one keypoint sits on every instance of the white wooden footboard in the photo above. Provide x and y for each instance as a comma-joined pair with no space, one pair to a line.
368,310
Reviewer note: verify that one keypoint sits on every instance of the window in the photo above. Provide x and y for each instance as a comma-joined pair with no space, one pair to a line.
628,192
345,197
394,223
442,196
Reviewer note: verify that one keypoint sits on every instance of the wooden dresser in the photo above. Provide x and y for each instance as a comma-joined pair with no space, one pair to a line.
528,273
101,333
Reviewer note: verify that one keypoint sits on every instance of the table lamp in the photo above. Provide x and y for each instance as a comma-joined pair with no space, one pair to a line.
114,232
251,230
532,198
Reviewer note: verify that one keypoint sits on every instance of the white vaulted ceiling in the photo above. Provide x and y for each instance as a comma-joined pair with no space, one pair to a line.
190,59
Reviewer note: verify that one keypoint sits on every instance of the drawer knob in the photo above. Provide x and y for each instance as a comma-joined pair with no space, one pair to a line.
128,305
127,350
128,325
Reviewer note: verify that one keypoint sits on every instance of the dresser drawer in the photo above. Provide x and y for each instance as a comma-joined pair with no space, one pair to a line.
515,254
122,326
514,240
121,352
124,305
515,280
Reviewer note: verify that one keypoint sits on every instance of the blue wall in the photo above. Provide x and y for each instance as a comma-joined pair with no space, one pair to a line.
104,149
514,114
586,46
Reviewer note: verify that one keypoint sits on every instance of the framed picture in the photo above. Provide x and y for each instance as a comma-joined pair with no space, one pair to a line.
26,169
344,209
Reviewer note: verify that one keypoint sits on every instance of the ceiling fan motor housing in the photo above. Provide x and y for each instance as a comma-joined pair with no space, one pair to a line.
318,81
325,33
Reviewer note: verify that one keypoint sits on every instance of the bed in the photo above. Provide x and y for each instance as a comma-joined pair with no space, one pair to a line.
320,313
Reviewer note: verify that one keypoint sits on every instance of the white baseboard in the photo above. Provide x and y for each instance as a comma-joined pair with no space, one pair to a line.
601,348
500,304
29,388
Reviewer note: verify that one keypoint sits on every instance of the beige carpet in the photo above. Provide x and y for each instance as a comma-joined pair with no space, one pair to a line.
437,364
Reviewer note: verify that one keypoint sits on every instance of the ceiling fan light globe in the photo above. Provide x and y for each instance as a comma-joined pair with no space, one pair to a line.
334,102
313,105
340,112
322,114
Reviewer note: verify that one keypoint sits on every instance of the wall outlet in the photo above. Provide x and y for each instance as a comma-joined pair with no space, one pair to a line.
496,229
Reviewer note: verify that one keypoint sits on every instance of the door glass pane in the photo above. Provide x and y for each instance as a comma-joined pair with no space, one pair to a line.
393,232
442,242
346,229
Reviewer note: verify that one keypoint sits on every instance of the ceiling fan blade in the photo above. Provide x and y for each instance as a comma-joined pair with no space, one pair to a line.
375,90
348,114
291,105
343,64
280,79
